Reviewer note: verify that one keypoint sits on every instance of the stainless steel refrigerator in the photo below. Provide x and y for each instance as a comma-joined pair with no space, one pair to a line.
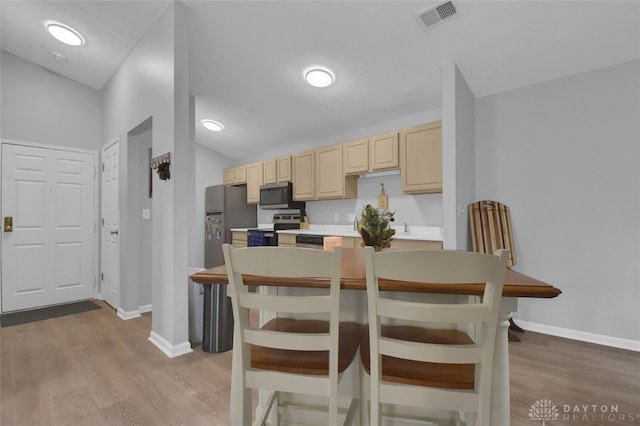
225,207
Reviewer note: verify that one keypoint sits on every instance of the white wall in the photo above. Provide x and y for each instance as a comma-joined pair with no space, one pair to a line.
40,106
153,82
564,156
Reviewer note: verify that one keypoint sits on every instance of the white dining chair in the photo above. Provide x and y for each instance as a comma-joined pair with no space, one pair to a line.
290,353
410,362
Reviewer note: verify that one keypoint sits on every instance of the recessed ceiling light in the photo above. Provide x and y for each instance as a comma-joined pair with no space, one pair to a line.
214,126
65,34
319,77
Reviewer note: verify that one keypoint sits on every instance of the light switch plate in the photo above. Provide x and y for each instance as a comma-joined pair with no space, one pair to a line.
146,213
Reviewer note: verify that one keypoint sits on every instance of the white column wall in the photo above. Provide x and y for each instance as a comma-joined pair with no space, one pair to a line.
153,82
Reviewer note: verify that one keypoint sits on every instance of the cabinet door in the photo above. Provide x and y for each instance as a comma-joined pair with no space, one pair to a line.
356,156
240,173
383,152
238,239
254,180
269,171
421,159
284,168
329,174
286,240
303,173
228,176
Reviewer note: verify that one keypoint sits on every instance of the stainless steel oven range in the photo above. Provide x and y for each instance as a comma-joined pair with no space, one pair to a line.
269,237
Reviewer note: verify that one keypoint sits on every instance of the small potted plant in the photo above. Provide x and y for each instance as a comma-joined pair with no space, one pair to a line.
374,227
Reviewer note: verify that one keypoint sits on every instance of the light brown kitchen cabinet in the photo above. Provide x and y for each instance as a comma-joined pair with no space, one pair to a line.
254,180
383,152
351,242
356,156
331,183
303,168
229,176
239,239
284,168
416,244
269,171
235,175
240,175
286,240
421,159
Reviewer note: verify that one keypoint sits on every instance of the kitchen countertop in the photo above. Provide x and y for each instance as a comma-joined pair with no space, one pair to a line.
423,233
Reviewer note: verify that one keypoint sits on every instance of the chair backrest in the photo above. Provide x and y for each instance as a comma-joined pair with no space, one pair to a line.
284,262
490,226
437,266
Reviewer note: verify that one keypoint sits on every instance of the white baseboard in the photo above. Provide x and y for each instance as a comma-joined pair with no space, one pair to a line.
127,315
167,348
582,336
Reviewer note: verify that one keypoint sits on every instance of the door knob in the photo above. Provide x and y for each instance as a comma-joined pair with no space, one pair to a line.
8,224
114,232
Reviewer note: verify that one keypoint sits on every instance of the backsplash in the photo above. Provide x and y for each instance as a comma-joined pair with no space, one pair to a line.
415,210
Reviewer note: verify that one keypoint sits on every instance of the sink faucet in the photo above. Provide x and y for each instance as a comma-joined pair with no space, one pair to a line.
406,228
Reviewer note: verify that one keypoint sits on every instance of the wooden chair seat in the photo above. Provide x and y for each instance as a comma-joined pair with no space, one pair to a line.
447,376
306,362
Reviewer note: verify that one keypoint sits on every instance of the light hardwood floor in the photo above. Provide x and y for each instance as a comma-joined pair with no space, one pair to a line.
95,369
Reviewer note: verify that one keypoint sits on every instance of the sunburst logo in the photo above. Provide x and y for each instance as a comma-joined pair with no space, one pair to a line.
543,410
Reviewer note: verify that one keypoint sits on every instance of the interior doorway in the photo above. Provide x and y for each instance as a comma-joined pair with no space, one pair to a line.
136,278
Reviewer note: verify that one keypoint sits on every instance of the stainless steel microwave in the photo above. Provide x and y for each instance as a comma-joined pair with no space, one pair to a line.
278,196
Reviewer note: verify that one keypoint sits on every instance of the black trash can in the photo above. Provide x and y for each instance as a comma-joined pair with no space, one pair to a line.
217,328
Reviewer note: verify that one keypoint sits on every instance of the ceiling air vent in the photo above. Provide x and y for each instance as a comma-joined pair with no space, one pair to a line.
437,13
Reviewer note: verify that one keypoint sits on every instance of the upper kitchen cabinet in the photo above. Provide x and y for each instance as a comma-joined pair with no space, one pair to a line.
421,159
254,180
331,182
229,176
235,175
240,173
283,168
356,156
383,152
303,175
269,171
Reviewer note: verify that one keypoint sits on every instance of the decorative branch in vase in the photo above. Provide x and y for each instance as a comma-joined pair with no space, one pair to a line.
374,227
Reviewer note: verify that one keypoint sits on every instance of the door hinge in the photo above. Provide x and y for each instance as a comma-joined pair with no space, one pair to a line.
102,276
103,221
103,167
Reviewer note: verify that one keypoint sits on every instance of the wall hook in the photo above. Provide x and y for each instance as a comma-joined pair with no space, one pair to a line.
161,164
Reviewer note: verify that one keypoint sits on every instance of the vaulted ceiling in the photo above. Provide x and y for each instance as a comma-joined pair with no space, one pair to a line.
247,58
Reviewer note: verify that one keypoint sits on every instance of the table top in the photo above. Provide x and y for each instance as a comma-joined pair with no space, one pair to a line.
353,278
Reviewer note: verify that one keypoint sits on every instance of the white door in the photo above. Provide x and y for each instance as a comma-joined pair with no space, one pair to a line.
111,224
49,255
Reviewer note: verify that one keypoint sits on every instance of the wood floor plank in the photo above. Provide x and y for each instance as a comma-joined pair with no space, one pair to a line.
93,368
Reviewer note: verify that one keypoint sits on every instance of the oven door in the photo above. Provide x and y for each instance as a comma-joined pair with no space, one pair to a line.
262,238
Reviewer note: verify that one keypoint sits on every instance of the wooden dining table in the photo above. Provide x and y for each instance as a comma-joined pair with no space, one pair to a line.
517,285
